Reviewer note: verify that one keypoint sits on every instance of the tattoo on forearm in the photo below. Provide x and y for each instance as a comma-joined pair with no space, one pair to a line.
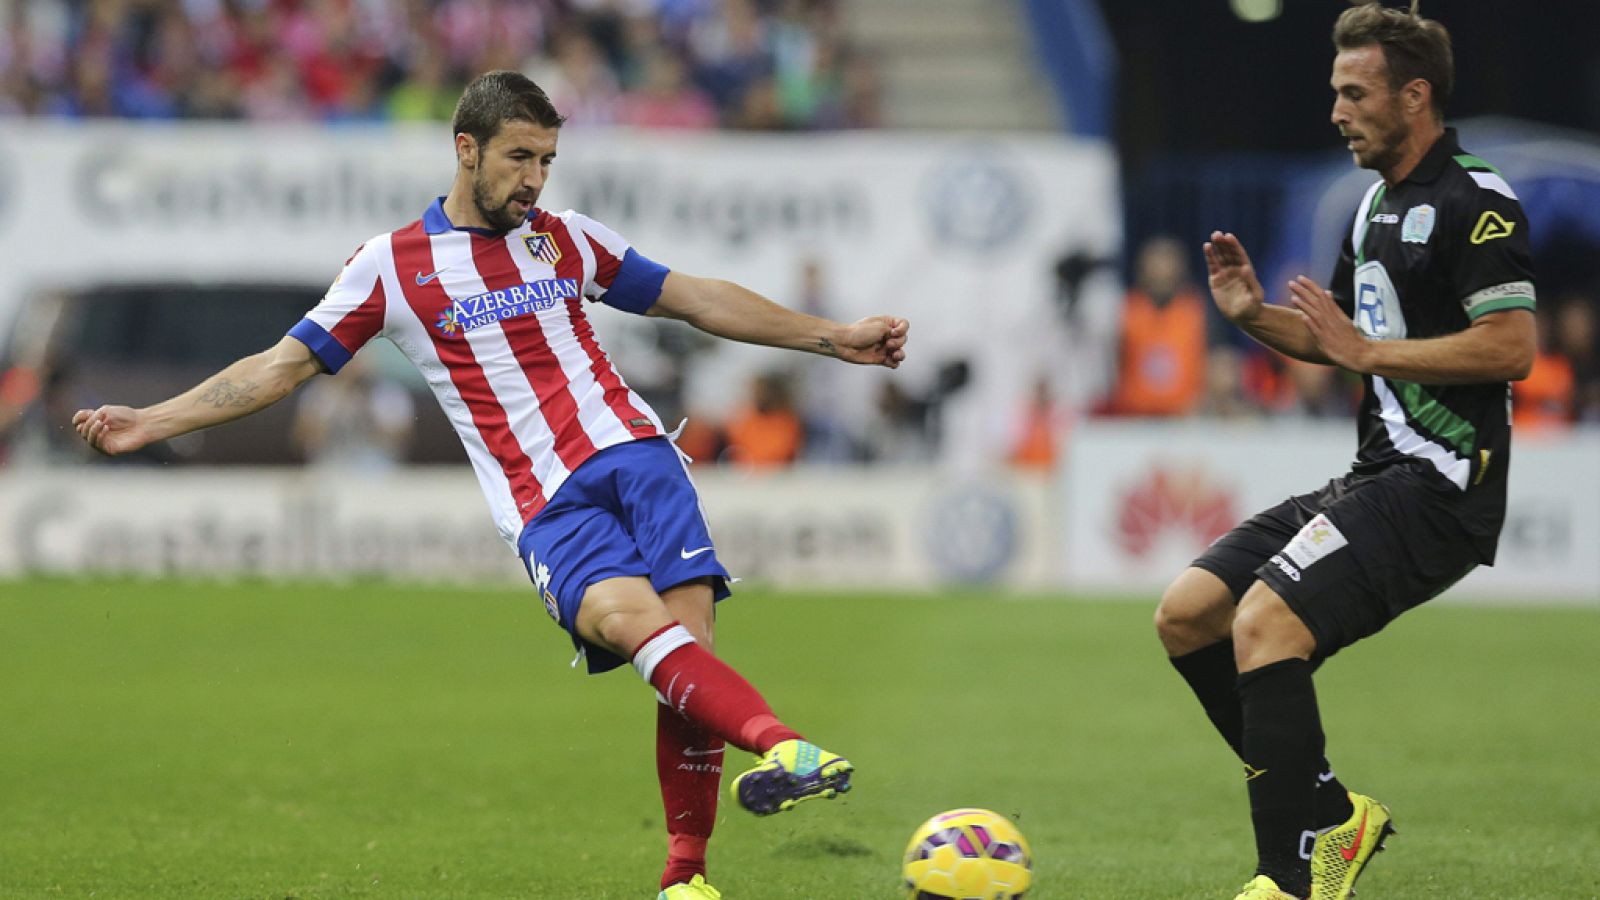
226,393
827,347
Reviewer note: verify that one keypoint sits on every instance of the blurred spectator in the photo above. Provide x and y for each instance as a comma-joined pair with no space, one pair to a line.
426,93
640,37
19,388
479,35
758,107
1161,367
90,94
37,400
903,429
666,98
1041,431
1579,340
1317,392
277,95
732,53
768,432
1263,377
39,391
805,63
701,440
822,383
1223,394
1543,400
862,101
357,420
580,83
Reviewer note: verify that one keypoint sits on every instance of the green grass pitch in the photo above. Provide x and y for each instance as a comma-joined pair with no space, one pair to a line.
184,740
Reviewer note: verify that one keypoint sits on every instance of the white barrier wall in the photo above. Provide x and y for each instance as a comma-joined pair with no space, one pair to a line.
1135,503
1143,499
863,530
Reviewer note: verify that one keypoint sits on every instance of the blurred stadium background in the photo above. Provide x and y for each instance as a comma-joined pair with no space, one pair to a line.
180,179
1028,181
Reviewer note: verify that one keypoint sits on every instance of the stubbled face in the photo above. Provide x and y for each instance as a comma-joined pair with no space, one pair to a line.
1366,110
510,171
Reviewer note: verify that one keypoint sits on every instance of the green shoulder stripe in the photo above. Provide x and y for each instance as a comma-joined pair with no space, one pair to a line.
1468,161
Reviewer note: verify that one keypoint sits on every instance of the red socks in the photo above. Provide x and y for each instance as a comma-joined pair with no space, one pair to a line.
704,702
707,691
689,765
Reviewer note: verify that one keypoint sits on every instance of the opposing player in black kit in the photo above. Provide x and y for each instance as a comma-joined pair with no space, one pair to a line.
1431,302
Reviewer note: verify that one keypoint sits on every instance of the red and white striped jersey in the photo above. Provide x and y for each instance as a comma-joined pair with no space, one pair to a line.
495,323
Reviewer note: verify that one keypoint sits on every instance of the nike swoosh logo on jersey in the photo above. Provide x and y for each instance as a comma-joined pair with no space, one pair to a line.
425,279
691,554
689,751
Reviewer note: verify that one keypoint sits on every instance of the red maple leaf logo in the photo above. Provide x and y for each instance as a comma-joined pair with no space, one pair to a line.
1174,499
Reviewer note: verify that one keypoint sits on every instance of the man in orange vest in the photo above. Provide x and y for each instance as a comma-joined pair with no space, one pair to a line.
1162,355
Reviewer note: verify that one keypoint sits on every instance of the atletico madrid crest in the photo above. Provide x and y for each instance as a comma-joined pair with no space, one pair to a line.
543,247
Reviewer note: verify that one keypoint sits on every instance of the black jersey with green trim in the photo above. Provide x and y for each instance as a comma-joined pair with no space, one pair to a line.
1425,258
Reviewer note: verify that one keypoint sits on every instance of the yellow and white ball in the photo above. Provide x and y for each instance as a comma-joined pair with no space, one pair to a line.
968,854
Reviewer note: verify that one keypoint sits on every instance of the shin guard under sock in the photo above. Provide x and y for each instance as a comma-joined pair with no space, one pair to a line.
689,767
1283,743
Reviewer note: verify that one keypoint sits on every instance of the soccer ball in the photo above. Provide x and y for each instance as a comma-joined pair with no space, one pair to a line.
968,854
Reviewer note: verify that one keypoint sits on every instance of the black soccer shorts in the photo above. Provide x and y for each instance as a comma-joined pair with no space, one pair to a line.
1351,557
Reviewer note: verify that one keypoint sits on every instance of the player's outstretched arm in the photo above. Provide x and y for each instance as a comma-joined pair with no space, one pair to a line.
249,385
727,310
1240,298
1499,346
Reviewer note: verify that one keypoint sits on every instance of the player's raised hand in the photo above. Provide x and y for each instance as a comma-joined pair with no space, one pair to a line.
1234,286
111,429
1335,334
875,341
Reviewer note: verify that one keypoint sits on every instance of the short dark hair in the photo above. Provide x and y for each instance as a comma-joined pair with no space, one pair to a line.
1413,47
501,96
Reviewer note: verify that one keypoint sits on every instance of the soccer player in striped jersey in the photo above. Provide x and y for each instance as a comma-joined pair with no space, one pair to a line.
485,293
1431,303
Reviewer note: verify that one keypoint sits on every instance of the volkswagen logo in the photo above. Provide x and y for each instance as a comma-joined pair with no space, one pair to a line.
977,201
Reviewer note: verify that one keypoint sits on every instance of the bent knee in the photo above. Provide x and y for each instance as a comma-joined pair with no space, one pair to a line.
1267,630
1251,626
620,620
1196,610
616,630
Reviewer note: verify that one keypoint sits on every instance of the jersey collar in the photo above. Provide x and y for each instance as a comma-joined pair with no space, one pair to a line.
1433,162
434,221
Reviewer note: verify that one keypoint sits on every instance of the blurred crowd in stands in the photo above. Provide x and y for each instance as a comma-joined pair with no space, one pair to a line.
748,64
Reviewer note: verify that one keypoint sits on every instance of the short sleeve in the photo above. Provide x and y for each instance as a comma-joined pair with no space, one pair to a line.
1493,267
350,313
623,277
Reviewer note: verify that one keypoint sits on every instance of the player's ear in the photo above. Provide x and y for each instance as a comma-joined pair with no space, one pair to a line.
1416,95
467,151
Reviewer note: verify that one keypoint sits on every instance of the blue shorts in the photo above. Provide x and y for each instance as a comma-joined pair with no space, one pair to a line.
629,509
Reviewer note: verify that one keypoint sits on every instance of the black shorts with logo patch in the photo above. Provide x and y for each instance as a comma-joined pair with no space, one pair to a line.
1351,557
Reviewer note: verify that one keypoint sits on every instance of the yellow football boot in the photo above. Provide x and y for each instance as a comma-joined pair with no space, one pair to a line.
1342,852
791,772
